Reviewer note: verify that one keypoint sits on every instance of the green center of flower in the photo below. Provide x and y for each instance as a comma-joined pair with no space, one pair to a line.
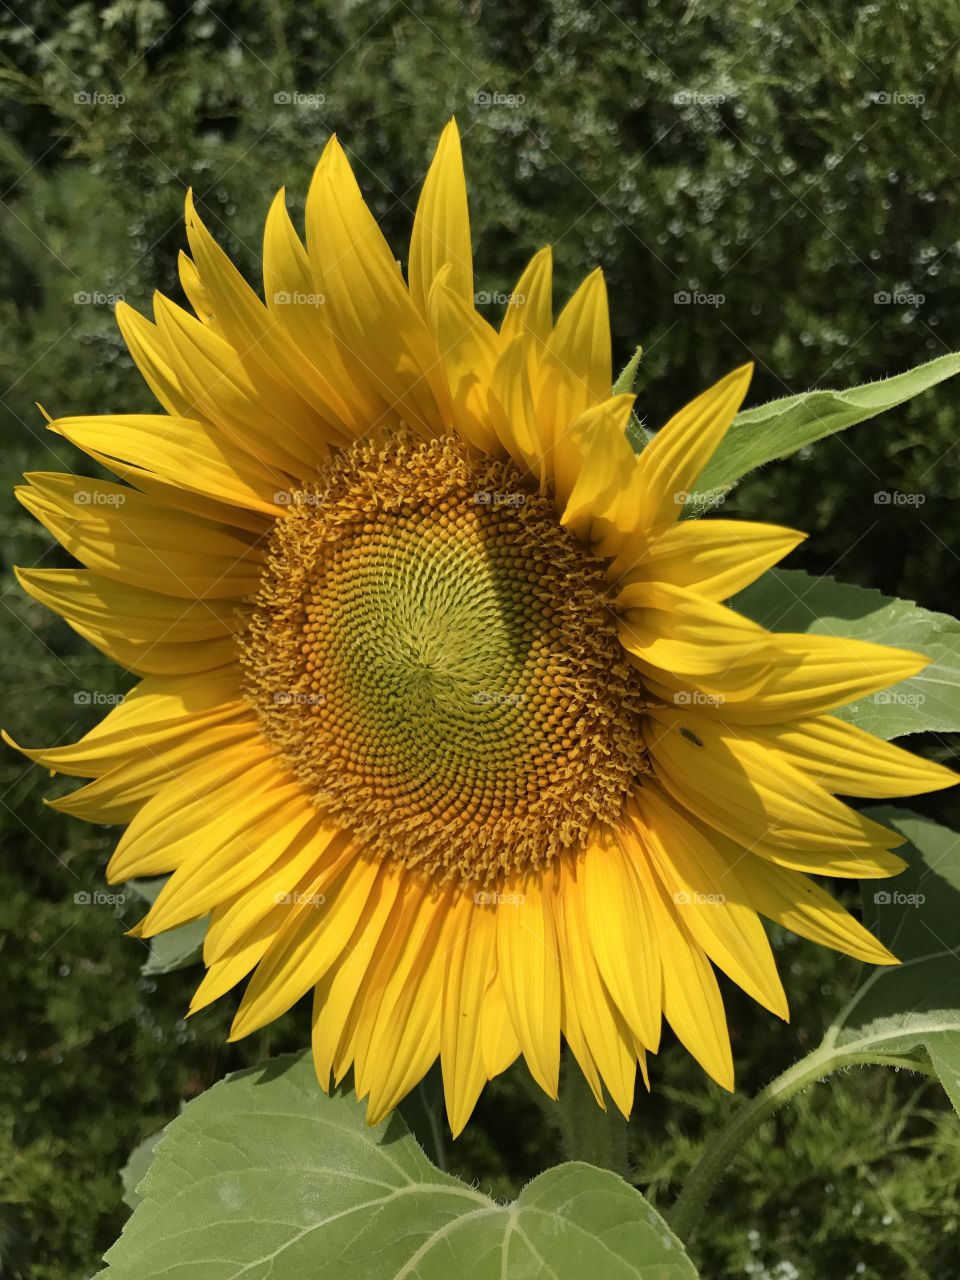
434,658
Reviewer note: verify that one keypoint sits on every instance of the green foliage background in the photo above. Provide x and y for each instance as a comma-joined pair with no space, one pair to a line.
702,147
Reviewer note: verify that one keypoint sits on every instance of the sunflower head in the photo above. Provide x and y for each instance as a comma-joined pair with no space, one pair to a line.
441,713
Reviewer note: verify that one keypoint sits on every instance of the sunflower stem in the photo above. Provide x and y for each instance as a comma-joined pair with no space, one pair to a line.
588,1133
727,1143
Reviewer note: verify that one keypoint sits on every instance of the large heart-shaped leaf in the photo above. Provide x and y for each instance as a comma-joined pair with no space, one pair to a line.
781,427
789,600
265,1176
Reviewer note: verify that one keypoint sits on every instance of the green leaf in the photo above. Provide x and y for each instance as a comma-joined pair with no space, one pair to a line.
264,1176
176,948
945,1056
916,1004
134,1171
789,600
780,428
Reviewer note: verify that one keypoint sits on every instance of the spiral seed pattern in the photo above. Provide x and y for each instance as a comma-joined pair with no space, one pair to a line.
434,658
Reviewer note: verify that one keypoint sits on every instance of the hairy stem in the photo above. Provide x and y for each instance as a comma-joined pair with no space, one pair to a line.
726,1144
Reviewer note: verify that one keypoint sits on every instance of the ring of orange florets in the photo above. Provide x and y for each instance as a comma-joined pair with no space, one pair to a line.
434,658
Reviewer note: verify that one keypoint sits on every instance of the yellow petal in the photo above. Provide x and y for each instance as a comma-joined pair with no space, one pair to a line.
405,1033
150,355
115,796
692,1003
335,996
300,875
469,350
591,462
197,295
372,313
181,452
302,396
714,558
467,973
529,969
126,536
228,854
622,936
687,642
812,673
499,1044
709,898
670,465
299,311
155,715
578,354
804,908
607,1036
511,409
530,311
764,804
441,227
308,944
845,759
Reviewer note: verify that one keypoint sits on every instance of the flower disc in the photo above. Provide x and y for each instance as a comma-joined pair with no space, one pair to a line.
436,660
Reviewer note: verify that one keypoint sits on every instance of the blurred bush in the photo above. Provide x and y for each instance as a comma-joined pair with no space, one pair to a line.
771,181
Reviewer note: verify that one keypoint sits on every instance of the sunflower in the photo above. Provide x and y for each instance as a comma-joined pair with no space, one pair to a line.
442,713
